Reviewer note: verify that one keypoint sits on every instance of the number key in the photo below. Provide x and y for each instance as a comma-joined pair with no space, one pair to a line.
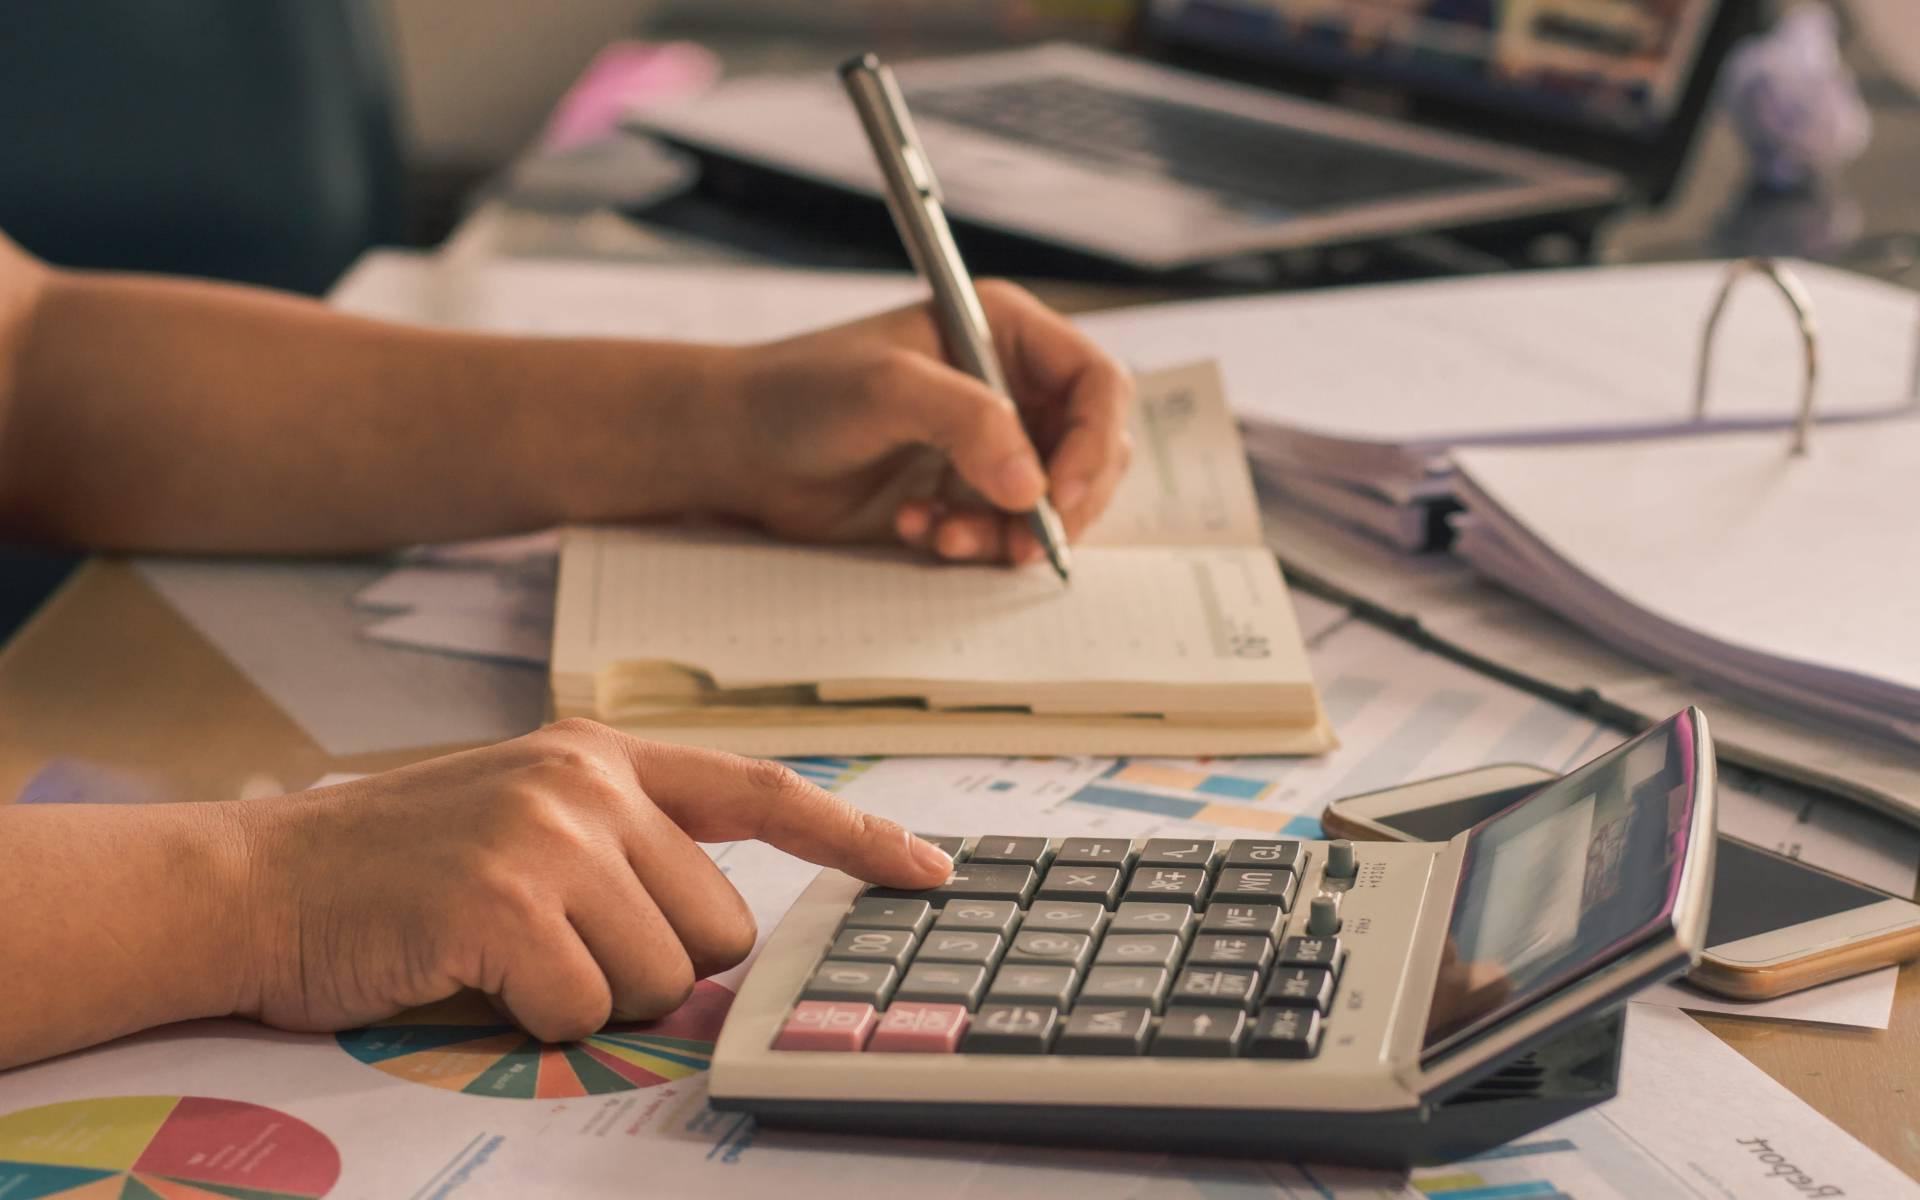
1115,985
1046,946
960,946
1066,916
943,983
1023,983
1149,917
853,983
1139,950
873,945
982,916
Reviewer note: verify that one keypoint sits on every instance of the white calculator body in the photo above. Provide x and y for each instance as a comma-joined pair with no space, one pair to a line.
1380,1003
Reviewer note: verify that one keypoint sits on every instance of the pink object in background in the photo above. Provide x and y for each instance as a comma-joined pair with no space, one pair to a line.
910,1028
826,1025
623,76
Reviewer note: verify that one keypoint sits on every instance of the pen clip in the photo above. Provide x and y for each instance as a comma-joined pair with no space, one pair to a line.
888,118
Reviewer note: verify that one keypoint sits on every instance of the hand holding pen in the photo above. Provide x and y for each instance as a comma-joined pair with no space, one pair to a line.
913,198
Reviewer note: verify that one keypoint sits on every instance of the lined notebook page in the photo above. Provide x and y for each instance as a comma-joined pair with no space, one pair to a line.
1189,484
1171,629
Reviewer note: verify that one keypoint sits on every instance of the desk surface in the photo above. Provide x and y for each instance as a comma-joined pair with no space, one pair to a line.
110,674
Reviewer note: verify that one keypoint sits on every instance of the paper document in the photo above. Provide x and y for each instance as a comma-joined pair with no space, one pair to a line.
567,298
1726,558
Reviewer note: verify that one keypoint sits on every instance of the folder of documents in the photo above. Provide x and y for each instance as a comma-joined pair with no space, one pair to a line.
1354,400
1177,635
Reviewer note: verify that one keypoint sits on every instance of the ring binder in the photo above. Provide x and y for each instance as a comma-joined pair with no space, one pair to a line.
1789,286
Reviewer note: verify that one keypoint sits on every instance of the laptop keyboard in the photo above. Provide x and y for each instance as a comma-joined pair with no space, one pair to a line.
1259,163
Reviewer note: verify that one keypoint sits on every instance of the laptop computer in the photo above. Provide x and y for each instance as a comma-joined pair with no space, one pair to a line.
1214,138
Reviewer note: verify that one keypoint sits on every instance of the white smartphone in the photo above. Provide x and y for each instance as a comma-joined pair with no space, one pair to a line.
1776,925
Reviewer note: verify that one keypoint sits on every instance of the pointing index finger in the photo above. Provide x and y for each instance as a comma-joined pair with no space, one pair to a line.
718,797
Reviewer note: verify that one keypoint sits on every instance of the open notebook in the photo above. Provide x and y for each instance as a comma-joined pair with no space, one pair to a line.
1177,635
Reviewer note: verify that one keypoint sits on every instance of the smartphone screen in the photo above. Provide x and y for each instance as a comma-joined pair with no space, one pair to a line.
1754,891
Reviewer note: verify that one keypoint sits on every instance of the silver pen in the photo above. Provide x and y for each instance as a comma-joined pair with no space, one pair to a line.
913,197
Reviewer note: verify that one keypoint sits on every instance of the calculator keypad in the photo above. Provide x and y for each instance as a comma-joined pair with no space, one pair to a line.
1087,946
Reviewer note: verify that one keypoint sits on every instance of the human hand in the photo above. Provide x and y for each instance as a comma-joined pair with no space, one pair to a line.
557,873
845,434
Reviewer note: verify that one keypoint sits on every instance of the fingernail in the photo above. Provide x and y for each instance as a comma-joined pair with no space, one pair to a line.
930,856
1067,497
1020,475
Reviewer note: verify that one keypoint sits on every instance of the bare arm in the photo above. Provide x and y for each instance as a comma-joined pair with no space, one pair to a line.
151,414
160,414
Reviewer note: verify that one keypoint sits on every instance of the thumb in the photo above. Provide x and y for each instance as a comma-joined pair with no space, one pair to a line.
977,429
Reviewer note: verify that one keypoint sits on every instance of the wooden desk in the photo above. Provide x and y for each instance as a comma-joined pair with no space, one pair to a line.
109,673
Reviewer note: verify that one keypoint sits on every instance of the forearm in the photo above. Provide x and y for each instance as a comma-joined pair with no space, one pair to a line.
115,919
151,414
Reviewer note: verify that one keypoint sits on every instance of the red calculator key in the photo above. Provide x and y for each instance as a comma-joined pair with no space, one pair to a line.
827,1025
909,1028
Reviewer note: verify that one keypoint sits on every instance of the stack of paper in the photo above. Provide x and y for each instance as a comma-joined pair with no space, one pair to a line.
1792,579
1353,399
1176,635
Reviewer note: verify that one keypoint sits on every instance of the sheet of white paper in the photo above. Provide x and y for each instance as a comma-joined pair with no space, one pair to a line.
1729,557
292,630
567,298
1534,353
1865,1001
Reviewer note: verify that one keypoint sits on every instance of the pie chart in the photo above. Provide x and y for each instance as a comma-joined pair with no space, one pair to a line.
462,1045
162,1148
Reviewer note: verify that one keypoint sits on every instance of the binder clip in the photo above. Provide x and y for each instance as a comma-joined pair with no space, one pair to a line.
1788,284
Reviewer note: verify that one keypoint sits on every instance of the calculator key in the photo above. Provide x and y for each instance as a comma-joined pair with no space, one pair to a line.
1046,946
1200,1033
1185,885
1011,1029
985,916
919,1029
1139,950
875,912
1098,885
943,983
1113,985
960,946
1176,852
1230,950
1285,1033
1150,917
1256,885
893,946
1301,987
1022,851
974,880
1248,852
1066,916
1105,1029
1025,983
1313,952
1230,986
853,983
952,845
1093,852
1262,919
826,1025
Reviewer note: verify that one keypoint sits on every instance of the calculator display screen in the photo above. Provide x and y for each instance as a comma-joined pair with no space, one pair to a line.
1555,887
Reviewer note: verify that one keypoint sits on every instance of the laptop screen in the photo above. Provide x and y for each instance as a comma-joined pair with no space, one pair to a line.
1616,66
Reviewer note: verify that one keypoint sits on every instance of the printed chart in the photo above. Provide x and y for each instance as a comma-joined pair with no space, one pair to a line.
162,1148
462,1045
830,773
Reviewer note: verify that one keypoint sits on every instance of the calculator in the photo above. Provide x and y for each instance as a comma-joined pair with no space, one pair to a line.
1388,1004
